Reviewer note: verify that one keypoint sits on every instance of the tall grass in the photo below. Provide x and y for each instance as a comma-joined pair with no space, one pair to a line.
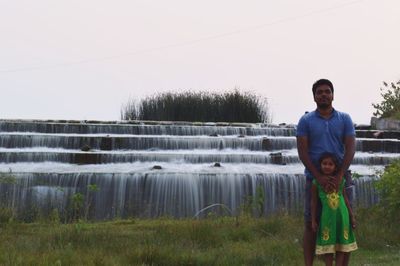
275,240
234,106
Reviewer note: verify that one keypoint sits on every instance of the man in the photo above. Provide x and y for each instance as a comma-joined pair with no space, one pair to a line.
320,131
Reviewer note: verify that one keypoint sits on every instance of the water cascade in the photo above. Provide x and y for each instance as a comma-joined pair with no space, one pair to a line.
153,169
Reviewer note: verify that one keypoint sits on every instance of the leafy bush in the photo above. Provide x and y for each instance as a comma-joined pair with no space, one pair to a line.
390,105
232,106
389,191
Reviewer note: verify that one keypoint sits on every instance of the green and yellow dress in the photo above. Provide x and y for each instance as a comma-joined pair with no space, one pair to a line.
334,232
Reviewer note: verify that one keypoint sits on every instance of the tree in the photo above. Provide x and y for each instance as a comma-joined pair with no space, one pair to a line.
390,105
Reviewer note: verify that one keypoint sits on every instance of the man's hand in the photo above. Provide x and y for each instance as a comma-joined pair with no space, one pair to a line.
353,222
314,225
338,179
327,183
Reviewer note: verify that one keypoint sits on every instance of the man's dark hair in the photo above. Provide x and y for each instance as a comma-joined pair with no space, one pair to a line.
321,82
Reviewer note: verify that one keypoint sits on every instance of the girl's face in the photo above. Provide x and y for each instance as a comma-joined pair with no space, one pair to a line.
328,166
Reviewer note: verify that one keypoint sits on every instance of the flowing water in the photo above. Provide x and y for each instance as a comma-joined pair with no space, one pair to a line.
164,169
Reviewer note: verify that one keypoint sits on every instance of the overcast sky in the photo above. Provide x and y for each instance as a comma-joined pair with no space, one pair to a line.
84,59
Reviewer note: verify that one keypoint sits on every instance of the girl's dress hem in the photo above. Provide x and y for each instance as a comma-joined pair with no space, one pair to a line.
319,250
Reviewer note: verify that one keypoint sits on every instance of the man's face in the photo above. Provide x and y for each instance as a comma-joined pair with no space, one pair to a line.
323,96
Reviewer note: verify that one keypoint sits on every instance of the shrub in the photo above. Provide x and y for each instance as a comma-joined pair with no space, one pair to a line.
389,191
233,106
390,105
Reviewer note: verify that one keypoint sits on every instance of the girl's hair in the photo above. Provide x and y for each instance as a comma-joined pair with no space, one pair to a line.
330,156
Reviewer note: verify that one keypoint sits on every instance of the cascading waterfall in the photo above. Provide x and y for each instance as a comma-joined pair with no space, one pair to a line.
164,169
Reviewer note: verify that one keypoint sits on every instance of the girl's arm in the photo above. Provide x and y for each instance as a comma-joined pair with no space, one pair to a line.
351,214
314,202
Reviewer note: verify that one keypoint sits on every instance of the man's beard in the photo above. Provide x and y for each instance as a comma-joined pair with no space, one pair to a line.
323,105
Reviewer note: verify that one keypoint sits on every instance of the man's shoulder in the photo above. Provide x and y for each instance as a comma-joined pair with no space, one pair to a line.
340,112
305,122
308,116
342,115
342,118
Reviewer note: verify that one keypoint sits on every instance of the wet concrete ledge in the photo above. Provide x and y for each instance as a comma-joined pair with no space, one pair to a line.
146,122
385,124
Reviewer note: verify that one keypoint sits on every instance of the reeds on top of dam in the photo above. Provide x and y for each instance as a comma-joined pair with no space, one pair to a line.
231,106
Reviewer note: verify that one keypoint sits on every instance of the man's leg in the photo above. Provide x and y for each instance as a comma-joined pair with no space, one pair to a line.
349,191
349,187
309,239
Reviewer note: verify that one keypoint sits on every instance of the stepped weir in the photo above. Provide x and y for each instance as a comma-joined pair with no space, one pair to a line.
153,169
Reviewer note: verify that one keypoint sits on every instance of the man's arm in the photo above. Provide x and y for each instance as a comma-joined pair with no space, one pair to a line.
351,213
350,149
314,201
302,149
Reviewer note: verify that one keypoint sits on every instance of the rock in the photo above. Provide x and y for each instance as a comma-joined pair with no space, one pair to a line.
266,144
106,144
86,158
221,145
277,158
241,136
217,164
378,134
156,167
86,148
213,135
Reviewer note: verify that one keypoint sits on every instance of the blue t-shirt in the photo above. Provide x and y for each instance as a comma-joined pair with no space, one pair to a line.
325,135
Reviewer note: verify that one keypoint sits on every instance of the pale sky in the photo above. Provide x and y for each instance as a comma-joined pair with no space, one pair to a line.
84,59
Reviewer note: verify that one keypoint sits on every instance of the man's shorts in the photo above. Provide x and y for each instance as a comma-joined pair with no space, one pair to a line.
349,188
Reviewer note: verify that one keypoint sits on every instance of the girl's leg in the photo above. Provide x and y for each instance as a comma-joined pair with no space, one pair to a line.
346,259
340,258
328,259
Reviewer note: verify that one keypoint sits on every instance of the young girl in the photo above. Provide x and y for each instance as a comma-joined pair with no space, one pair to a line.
335,231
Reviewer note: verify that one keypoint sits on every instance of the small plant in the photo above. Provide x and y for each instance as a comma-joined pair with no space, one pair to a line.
80,204
7,178
390,105
92,188
54,217
77,204
6,215
259,200
254,204
355,175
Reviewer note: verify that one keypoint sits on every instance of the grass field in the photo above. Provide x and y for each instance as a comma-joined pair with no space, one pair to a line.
274,240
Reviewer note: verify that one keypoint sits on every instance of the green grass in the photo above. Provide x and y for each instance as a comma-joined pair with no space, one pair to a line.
215,241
